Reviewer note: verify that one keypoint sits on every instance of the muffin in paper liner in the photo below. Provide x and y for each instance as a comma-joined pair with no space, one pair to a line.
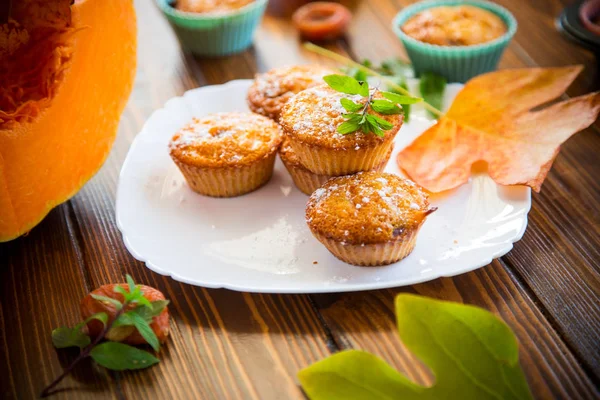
305,180
270,91
310,121
228,181
215,34
368,219
372,254
455,63
226,154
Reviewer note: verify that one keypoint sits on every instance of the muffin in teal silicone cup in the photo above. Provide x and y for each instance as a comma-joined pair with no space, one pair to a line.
457,62
215,33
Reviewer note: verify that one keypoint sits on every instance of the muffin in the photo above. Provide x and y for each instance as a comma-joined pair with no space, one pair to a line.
226,154
306,181
455,40
310,121
214,28
368,219
462,25
270,91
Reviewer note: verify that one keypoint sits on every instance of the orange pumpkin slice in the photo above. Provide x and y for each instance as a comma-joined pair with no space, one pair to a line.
66,72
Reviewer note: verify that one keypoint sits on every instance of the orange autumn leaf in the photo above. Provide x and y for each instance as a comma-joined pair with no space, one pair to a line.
491,120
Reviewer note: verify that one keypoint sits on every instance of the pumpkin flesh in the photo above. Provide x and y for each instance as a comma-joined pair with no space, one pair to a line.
63,91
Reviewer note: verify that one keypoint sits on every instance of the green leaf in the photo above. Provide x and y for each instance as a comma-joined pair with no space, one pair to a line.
70,337
350,105
385,107
379,122
116,303
119,356
348,127
101,316
130,283
344,84
145,330
364,89
405,107
473,354
432,89
396,67
120,289
356,375
123,320
401,99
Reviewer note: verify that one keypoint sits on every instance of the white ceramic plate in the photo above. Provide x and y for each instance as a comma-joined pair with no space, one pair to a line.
260,242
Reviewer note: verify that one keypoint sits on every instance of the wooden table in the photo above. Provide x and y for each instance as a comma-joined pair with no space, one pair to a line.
226,344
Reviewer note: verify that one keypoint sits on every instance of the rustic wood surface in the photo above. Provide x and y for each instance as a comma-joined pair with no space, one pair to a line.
226,344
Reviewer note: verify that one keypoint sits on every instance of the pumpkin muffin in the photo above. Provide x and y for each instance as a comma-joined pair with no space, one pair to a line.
368,219
463,25
310,121
226,154
270,91
305,180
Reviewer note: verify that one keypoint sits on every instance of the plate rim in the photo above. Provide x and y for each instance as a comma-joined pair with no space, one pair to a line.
387,284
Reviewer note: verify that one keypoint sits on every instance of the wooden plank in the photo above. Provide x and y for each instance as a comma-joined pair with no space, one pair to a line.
41,285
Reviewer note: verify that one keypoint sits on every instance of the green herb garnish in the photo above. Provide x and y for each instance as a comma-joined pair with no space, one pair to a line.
358,117
135,312
432,87
473,354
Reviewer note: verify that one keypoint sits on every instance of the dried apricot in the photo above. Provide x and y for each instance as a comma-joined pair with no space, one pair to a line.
322,20
125,334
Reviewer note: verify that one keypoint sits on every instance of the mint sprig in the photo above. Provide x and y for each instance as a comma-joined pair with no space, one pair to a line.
135,312
360,116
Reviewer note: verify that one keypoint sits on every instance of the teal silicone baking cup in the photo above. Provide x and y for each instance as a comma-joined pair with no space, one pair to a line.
215,34
455,63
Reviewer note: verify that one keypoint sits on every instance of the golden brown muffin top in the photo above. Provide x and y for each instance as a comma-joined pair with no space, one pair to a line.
369,207
313,115
455,26
270,91
225,140
210,6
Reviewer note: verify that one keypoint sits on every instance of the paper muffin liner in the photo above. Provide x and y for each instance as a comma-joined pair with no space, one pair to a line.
455,63
215,35
228,181
373,254
307,182
324,161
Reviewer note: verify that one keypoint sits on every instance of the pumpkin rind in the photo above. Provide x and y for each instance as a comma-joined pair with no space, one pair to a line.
46,160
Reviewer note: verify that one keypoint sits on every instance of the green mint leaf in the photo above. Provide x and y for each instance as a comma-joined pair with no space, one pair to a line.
379,122
130,283
344,84
158,306
401,99
120,289
123,320
473,354
145,330
101,316
432,89
348,127
350,105
385,107
108,300
405,107
70,337
396,67
119,356
364,89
